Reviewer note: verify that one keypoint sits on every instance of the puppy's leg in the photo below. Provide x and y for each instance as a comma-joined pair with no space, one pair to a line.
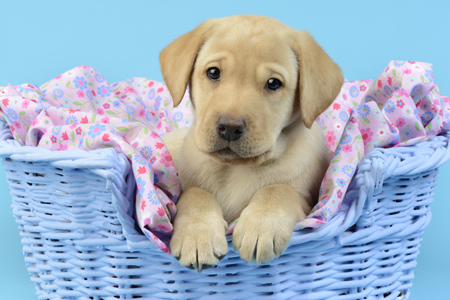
198,241
265,225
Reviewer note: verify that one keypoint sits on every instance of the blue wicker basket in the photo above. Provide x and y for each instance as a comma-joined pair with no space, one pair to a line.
75,213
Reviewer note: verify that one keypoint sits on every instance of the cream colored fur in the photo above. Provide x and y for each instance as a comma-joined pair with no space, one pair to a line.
271,179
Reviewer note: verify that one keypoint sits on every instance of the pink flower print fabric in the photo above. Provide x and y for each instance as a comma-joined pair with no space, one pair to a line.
80,109
401,107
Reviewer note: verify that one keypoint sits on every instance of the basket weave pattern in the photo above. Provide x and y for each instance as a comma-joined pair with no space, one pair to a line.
80,241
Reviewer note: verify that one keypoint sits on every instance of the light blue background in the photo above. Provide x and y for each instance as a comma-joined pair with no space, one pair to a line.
42,39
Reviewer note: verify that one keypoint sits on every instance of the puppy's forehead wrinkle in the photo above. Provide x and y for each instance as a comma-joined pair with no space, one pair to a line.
250,40
218,57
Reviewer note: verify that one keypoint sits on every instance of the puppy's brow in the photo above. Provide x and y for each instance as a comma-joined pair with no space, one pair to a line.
273,69
217,57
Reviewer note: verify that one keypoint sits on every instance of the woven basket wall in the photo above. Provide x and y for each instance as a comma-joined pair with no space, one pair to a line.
80,242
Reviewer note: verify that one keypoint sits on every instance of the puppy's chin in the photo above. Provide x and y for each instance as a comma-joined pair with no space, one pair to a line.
229,157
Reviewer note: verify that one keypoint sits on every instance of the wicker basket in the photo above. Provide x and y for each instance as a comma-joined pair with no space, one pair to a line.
80,241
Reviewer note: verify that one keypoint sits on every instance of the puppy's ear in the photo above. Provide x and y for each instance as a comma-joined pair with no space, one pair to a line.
320,79
177,59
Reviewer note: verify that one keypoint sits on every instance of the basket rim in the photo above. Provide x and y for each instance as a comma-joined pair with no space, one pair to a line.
377,166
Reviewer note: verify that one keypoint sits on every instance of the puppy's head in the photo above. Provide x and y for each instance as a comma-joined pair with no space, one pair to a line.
250,77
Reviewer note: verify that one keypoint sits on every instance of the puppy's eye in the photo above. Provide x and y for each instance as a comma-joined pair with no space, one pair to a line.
213,74
273,84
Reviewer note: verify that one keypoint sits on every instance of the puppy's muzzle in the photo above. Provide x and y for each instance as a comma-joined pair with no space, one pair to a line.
230,129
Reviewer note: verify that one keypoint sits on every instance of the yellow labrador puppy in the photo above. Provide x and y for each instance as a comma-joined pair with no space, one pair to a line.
253,151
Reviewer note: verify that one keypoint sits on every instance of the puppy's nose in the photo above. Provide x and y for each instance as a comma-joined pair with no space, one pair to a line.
230,129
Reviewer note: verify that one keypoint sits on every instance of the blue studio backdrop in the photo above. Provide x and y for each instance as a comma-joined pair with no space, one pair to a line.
122,39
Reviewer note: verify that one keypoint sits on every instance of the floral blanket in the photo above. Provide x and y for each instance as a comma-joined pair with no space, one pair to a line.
80,109
401,107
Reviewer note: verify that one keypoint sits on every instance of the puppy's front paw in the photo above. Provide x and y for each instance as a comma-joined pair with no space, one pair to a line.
259,238
199,244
